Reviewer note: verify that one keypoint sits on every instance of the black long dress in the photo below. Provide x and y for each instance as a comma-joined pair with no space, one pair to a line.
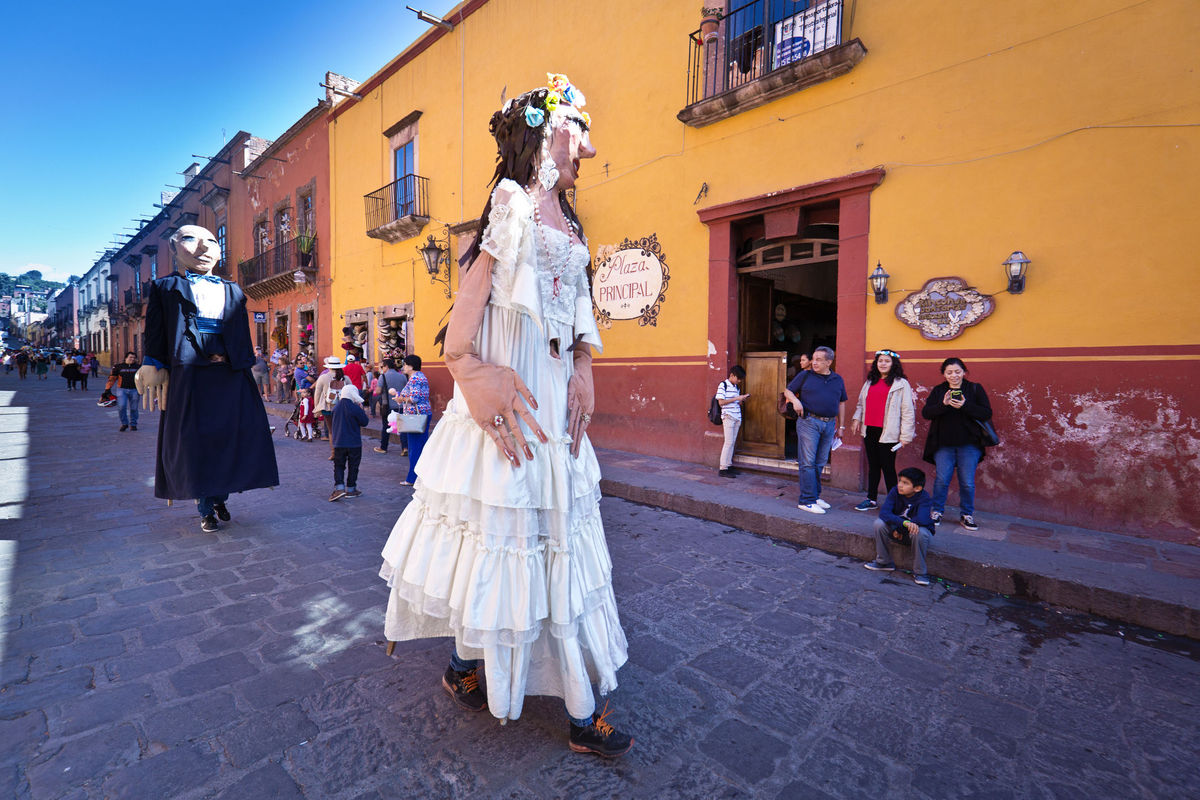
213,436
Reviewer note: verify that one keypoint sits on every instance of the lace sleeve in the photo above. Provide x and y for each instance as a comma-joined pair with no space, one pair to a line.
506,223
585,320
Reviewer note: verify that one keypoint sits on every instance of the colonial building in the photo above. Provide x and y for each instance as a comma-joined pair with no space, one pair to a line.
1018,179
279,232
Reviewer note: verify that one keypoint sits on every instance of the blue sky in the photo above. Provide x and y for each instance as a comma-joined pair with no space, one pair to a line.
106,102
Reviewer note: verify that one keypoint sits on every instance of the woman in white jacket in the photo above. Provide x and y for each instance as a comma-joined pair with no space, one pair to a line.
886,416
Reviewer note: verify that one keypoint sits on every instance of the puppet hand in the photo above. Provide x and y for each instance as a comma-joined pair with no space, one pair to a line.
149,377
496,396
581,402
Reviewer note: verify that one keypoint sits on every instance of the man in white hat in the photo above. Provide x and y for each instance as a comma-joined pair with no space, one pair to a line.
325,394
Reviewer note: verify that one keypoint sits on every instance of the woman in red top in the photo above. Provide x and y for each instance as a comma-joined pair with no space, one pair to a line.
886,415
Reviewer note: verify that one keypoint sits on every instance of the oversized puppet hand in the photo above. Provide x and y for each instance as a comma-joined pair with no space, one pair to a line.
496,396
581,396
151,383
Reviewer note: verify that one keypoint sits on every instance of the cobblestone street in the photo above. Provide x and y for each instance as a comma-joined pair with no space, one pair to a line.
143,658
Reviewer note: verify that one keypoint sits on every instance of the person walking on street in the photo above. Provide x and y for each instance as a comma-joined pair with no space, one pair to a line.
819,397
886,416
126,391
955,408
349,419
414,399
85,369
261,372
731,415
325,395
70,371
389,380
22,359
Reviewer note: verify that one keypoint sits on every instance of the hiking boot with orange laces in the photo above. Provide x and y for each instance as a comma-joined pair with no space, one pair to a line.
464,688
600,738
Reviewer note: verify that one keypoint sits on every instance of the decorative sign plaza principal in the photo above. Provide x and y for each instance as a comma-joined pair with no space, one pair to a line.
944,308
630,281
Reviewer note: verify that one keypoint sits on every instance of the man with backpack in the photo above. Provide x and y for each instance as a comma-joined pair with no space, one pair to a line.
730,401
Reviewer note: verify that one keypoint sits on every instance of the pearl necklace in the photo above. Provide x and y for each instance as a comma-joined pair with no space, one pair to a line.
555,271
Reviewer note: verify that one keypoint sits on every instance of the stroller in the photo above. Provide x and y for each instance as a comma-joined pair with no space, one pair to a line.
291,428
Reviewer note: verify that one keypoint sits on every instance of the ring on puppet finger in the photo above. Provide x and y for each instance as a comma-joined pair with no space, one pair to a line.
586,418
498,420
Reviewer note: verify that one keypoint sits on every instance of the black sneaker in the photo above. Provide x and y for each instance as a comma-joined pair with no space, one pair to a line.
351,493
725,473
124,427
600,738
464,689
875,566
936,516
222,512
866,505
133,427
209,524
968,522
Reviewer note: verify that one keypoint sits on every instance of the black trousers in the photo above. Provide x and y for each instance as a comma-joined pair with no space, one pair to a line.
344,457
880,459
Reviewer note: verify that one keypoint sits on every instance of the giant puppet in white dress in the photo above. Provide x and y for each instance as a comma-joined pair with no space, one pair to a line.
506,553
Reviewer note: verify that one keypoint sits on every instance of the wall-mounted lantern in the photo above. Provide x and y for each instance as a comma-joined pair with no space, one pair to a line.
436,252
878,280
1014,270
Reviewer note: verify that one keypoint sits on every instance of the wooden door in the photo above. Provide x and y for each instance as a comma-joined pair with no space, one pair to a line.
763,430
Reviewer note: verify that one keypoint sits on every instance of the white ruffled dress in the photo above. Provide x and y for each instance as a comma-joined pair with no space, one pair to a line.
512,561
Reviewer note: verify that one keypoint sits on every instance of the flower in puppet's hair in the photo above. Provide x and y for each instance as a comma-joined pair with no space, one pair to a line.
552,100
557,81
574,97
587,118
534,116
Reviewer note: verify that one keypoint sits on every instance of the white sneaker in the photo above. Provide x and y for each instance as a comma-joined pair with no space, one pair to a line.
822,503
811,508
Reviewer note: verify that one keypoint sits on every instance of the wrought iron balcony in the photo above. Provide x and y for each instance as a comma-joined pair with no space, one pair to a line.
760,52
271,271
399,210
114,309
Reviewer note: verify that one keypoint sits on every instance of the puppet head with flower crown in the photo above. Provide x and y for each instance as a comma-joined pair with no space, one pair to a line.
523,130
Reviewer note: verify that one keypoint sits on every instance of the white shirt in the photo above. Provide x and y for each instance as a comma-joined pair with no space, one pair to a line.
210,299
727,391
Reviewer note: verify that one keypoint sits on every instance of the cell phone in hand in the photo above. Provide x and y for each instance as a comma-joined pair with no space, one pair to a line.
897,446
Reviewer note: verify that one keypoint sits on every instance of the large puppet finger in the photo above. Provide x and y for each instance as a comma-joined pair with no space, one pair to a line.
524,412
498,434
575,428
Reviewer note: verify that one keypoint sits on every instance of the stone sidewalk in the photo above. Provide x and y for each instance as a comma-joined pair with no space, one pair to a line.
1136,580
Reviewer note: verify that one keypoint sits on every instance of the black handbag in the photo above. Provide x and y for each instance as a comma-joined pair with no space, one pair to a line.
987,432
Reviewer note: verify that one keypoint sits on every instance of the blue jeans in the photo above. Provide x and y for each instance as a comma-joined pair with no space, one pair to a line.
128,402
964,459
814,438
205,504
416,443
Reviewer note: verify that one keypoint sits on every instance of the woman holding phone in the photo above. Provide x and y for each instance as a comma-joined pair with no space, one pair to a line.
954,408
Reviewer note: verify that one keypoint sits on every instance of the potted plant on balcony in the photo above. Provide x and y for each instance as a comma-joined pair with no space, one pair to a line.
304,247
710,20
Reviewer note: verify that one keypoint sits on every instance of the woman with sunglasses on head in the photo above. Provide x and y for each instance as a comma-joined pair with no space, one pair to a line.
886,416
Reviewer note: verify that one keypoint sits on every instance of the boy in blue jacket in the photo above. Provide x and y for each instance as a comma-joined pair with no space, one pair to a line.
347,424
904,518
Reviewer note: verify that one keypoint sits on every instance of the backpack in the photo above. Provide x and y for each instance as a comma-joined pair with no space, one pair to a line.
714,410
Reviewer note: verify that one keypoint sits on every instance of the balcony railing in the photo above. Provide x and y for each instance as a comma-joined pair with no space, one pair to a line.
283,259
766,39
114,308
399,210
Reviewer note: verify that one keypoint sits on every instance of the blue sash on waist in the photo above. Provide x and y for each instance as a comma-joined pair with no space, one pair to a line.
206,325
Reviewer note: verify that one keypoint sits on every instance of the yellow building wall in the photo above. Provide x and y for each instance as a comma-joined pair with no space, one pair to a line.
1011,126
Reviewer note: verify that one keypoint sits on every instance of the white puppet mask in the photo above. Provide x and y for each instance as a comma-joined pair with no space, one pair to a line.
196,249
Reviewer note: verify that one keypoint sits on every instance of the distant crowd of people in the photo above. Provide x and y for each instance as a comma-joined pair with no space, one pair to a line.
959,414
